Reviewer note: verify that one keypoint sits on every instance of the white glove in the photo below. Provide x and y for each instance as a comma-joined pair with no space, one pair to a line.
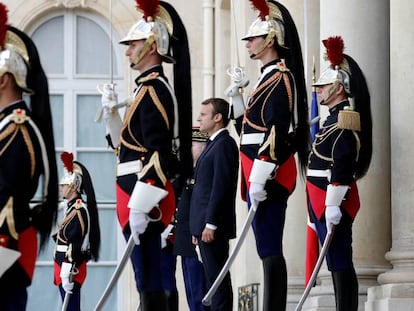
257,192
109,113
65,275
197,250
166,234
332,216
238,82
138,222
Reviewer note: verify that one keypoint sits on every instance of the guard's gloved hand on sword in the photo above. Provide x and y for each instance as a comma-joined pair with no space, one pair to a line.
66,277
261,172
109,113
334,196
143,199
234,91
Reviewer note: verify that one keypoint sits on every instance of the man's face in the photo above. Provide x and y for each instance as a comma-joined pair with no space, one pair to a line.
327,94
206,118
134,48
197,148
253,44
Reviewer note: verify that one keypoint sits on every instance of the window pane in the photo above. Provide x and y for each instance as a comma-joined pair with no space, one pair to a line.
49,39
109,225
101,167
89,133
93,56
56,106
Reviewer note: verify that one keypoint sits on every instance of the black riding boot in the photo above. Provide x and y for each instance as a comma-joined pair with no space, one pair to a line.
172,299
154,301
346,290
275,283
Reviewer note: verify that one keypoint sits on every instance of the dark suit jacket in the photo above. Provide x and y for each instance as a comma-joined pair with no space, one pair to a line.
214,192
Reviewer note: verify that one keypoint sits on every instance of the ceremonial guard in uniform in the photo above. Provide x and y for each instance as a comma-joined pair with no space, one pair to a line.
193,272
153,143
340,155
274,126
26,153
78,237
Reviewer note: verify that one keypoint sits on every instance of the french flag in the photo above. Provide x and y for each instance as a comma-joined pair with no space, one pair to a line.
312,243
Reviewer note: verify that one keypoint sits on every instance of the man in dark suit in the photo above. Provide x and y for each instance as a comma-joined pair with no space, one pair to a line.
212,211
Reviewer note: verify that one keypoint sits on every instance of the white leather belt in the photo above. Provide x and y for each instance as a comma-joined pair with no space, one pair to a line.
252,139
61,248
130,167
319,173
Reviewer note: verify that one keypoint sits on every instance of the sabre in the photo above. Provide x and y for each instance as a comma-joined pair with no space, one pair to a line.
66,301
318,265
207,298
67,294
115,276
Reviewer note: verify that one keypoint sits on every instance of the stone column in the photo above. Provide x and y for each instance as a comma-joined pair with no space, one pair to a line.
305,15
397,285
365,29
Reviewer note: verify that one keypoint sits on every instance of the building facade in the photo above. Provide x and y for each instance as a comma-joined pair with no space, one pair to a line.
77,41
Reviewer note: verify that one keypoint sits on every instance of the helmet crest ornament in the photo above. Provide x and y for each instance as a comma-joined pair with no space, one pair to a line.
150,8
3,24
334,50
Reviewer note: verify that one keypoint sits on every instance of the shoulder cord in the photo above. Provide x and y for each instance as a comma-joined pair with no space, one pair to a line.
46,173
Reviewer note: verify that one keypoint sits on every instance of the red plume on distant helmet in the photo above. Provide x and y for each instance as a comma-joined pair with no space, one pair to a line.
3,23
67,160
149,7
334,50
262,7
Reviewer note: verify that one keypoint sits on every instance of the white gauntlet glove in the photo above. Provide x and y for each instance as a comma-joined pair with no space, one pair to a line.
138,222
166,234
66,277
109,113
257,192
333,201
238,82
261,172
333,216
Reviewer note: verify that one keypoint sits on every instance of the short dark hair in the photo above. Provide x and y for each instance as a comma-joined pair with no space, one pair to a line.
221,106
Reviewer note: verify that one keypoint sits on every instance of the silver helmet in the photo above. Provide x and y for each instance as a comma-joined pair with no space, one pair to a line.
338,72
157,28
14,59
73,174
269,24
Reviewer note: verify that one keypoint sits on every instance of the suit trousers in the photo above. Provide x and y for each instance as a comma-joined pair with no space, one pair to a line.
214,256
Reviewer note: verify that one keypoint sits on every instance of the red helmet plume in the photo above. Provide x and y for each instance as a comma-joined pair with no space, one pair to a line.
3,23
149,7
67,160
262,7
334,50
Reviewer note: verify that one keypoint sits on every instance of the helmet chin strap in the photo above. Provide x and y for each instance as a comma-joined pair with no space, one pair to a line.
68,190
331,91
266,41
140,55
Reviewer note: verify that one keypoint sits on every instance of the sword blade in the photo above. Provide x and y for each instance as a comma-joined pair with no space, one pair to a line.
66,302
207,298
115,276
315,272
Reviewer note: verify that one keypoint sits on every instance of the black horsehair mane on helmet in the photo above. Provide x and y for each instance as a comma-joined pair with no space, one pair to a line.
362,104
182,88
94,231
